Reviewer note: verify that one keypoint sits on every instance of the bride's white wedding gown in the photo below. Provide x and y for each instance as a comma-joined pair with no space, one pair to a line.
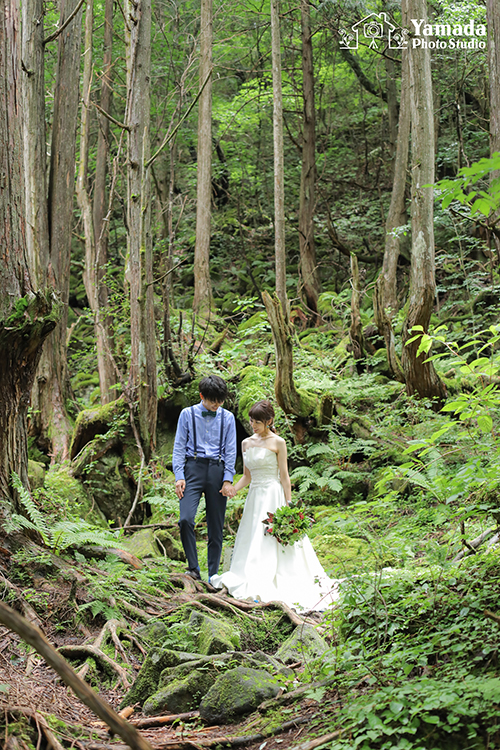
261,568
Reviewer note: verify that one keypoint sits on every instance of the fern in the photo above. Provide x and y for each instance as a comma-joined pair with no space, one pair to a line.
38,521
62,534
308,478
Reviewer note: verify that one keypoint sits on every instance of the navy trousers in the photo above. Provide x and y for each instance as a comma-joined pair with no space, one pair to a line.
203,475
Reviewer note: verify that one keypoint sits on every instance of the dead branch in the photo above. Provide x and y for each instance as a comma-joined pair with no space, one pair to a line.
311,744
159,721
491,616
289,697
474,544
34,637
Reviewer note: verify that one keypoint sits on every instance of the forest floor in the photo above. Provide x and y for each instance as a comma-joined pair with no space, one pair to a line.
40,711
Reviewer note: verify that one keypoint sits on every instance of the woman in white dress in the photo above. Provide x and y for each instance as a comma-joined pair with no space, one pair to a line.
261,568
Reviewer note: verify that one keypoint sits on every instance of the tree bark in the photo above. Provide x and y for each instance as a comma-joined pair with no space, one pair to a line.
279,180
385,304
287,396
107,375
142,374
493,17
27,311
90,274
356,330
34,147
310,278
52,390
202,284
420,376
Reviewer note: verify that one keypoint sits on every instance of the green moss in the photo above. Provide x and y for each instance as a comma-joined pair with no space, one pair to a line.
108,414
66,491
256,383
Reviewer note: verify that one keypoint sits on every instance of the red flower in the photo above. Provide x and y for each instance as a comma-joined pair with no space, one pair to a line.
270,529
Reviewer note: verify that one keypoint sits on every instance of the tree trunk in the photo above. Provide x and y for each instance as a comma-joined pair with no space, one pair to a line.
310,278
287,396
493,17
52,390
279,179
202,284
34,146
90,274
420,376
27,311
356,330
142,375
385,304
107,376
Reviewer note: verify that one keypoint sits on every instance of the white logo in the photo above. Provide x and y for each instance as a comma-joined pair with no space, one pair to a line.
378,29
451,33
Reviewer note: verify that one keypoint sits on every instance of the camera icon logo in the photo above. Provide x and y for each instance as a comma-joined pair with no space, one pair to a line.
373,30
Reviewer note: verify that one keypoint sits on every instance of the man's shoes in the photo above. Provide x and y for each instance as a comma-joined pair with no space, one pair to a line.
193,573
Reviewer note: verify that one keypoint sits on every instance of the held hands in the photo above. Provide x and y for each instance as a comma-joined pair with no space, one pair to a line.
227,490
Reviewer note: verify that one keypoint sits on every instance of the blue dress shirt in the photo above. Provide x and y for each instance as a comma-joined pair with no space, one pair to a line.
207,440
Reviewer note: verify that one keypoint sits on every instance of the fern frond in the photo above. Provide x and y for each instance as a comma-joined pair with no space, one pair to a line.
33,512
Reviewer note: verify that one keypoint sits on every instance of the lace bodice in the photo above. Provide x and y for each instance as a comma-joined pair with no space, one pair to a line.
262,464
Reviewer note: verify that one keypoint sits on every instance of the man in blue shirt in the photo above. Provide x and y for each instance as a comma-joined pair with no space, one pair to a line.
203,462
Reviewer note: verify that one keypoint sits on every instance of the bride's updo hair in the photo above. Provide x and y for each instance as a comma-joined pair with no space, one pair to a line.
262,411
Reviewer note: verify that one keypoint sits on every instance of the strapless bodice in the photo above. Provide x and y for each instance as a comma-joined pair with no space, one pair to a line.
262,464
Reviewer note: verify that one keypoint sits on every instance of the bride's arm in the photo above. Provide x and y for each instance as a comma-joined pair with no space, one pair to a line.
283,467
245,479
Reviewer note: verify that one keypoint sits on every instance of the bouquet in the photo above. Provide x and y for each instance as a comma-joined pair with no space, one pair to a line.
288,524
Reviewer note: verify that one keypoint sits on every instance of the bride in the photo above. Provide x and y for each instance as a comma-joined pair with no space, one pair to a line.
261,568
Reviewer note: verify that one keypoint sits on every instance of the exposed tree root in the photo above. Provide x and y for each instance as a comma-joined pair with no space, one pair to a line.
98,655
35,638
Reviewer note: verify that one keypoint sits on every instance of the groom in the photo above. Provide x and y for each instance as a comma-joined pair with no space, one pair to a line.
203,462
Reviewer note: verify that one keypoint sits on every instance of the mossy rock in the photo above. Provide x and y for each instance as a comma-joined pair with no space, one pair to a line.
152,633
214,636
146,682
238,691
342,554
304,644
142,544
179,696
173,548
36,474
67,491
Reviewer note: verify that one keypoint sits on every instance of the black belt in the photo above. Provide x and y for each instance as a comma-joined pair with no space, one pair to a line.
205,460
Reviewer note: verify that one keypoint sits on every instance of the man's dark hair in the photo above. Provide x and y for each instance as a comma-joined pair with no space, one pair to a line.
213,388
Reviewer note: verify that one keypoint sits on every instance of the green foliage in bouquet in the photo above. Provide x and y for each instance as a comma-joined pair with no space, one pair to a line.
288,524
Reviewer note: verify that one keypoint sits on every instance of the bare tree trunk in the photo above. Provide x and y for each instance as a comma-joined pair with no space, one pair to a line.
27,310
202,284
420,376
356,330
493,17
310,277
385,296
287,396
51,390
34,146
392,101
279,180
107,376
142,375
90,275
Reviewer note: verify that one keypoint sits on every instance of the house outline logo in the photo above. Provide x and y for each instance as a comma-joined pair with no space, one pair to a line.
377,27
